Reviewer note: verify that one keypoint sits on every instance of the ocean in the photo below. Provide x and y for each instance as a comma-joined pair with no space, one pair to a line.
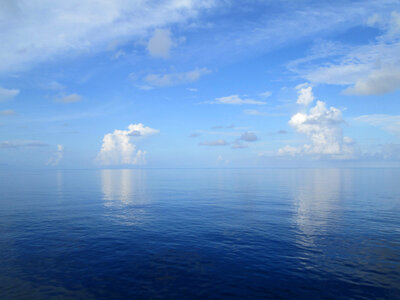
200,234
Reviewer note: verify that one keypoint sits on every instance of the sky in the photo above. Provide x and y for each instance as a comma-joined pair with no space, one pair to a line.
182,83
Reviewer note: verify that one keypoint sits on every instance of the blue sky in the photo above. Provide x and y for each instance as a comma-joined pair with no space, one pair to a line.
104,84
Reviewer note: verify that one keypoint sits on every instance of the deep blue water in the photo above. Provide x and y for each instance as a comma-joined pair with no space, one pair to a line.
203,234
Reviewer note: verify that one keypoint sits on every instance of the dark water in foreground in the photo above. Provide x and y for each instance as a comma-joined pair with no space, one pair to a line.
144,234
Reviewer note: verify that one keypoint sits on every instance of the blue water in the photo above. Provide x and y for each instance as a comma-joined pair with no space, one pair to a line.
203,234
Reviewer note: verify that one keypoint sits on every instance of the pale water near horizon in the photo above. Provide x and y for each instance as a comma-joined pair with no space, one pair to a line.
200,234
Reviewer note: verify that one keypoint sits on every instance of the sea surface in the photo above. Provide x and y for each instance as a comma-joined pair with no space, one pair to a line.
200,234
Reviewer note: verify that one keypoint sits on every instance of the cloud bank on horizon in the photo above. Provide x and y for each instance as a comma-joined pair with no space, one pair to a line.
72,72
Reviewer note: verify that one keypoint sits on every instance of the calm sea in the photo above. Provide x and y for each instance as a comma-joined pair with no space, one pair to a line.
200,234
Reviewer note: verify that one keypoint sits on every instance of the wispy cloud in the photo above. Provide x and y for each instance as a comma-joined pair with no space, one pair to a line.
380,81
194,135
370,69
71,98
219,142
235,100
53,85
21,144
7,94
256,112
7,112
390,123
266,94
76,26
238,145
223,126
170,79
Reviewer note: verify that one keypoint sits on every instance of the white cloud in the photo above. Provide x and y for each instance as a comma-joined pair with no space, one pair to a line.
7,112
322,126
223,126
390,123
160,43
7,94
79,26
54,86
118,54
21,144
377,82
370,69
236,100
305,95
254,112
342,74
57,156
169,79
118,149
70,98
290,150
266,94
214,143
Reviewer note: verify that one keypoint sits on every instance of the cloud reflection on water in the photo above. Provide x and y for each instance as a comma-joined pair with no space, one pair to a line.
124,187
318,201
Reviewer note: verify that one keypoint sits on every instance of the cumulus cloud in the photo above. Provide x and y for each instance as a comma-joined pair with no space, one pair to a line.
7,94
169,79
7,112
21,144
57,156
236,100
305,95
219,142
322,126
77,26
69,98
118,149
160,43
